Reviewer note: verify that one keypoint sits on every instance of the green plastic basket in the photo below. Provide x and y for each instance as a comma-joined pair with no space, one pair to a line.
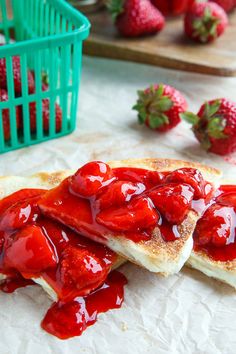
49,36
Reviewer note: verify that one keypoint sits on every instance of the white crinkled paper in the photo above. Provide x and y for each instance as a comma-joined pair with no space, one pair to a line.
187,313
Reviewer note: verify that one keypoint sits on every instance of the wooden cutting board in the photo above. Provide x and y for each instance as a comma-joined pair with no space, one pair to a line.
169,49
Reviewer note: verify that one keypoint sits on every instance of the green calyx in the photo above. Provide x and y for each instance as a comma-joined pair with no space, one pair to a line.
115,7
210,125
206,26
152,104
215,121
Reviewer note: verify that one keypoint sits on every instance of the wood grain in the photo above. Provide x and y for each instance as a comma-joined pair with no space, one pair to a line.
169,49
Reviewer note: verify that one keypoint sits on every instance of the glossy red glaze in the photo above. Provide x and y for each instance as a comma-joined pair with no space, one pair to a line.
130,205
65,320
90,178
192,177
33,246
96,202
215,231
173,201
11,284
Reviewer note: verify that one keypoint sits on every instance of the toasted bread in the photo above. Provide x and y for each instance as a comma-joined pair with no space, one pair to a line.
155,254
223,271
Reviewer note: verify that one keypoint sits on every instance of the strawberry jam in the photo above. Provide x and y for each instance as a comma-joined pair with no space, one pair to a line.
215,231
98,201
75,268
82,312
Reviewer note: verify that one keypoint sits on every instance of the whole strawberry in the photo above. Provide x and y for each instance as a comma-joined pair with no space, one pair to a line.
215,126
205,21
171,7
134,18
16,66
159,107
45,116
6,116
227,5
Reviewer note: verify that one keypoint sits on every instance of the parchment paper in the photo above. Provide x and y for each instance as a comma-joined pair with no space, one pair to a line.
185,313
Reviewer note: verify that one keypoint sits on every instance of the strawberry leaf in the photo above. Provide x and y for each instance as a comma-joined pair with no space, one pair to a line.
158,121
190,117
213,108
216,128
115,7
163,105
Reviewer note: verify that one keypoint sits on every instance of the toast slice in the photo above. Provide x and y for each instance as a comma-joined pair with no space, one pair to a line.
155,254
224,271
11,184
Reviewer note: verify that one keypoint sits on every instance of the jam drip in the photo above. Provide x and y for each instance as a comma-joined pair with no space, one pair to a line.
66,320
33,246
215,231
98,201
9,285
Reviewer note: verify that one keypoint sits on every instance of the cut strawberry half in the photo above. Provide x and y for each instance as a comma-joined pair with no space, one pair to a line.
190,176
173,201
119,193
29,251
137,215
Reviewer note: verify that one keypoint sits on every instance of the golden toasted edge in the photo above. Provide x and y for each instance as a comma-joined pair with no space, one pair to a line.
229,266
162,165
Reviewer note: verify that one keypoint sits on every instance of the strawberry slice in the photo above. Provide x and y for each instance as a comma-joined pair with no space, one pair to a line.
173,201
119,193
81,270
191,176
228,199
132,174
215,226
90,178
19,214
30,251
18,196
137,215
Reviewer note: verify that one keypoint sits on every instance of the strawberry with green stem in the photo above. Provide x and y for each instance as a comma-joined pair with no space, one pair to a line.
205,21
215,126
134,18
159,107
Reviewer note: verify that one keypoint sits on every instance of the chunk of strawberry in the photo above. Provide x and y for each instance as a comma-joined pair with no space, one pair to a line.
118,193
135,175
227,199
90,178
19,214
137,215
22,194
191,176
173,201
81,269
30,251
215,226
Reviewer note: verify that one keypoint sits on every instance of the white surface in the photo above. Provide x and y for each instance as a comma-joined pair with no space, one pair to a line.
185,314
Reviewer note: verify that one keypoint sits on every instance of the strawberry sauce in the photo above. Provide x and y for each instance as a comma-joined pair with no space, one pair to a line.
215,231
77,269
82,312
95,202
99,201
